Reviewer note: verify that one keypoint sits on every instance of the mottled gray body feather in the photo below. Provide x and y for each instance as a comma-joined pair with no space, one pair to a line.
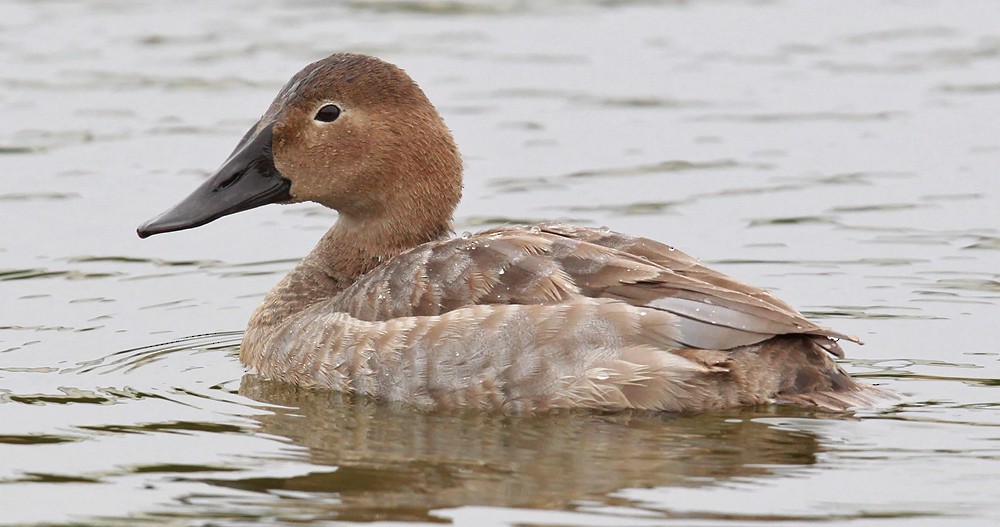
549,316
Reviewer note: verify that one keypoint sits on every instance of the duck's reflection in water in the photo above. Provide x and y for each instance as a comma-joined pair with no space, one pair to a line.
399,464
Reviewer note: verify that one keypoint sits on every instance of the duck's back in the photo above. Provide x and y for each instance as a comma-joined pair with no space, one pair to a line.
531,318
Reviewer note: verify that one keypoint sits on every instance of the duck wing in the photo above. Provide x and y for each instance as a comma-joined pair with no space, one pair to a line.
555,263
715,310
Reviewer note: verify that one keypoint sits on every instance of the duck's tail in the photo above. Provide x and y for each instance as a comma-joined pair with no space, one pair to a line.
803,373
788,369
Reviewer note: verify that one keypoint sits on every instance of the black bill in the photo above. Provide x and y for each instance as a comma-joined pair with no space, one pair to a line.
248,179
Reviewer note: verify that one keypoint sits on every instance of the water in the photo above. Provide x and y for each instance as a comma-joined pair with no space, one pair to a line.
844,154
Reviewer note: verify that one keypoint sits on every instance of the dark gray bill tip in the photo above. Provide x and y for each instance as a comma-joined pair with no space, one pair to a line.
174,219
152,227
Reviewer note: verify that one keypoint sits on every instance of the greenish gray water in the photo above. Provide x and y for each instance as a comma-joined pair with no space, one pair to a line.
844,154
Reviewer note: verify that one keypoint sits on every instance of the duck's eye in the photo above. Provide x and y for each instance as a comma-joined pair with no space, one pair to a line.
328,113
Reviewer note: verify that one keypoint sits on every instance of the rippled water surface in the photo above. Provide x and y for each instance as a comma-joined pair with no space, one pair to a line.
845,154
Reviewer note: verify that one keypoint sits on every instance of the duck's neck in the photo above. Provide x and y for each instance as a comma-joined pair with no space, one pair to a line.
352,248
348,251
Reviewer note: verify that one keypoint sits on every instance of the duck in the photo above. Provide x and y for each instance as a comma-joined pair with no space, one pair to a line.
390,305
